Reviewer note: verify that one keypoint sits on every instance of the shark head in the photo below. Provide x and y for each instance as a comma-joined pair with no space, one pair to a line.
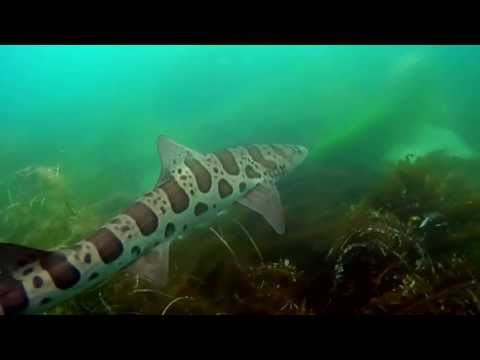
291,157
201,184
277,160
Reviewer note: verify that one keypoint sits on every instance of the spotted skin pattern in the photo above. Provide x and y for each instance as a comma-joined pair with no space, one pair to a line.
195,189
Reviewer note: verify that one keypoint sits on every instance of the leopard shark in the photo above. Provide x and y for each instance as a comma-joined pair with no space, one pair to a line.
193,188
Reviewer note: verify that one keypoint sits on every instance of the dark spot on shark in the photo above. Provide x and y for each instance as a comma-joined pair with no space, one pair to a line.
37,282
135,251
257,155
200,208
87,258
93,276
145,218
228,162
183,177
162,209
242,186
25,260
116,221
294,149
63,274
179,171
185,227
192,192
13,297
251,173
13,255
169,230
125,228
215,170
202,176
177,197
27,271
224,188
109,247
214,206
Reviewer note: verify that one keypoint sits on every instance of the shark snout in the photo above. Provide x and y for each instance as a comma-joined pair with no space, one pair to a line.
302,153
298,154
303,150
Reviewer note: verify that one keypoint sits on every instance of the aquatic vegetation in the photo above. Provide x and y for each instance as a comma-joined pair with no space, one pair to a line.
435,184
407,244
375,221
39,211
448,287
266,289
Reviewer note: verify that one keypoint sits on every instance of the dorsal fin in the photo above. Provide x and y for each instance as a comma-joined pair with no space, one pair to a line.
14,256
171,154
265,200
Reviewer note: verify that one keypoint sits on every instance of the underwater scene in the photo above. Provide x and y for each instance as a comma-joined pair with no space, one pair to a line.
227,180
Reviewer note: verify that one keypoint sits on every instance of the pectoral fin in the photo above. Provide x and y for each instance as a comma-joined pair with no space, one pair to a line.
265,200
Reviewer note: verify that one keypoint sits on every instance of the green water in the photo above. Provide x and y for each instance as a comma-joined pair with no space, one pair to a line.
98,109
90,115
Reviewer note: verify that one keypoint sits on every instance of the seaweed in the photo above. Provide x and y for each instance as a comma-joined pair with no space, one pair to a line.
443,287
406,243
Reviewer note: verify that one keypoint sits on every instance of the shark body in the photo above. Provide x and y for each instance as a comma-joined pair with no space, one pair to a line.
193,188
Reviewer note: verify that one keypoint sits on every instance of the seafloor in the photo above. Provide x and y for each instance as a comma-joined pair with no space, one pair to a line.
401,239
